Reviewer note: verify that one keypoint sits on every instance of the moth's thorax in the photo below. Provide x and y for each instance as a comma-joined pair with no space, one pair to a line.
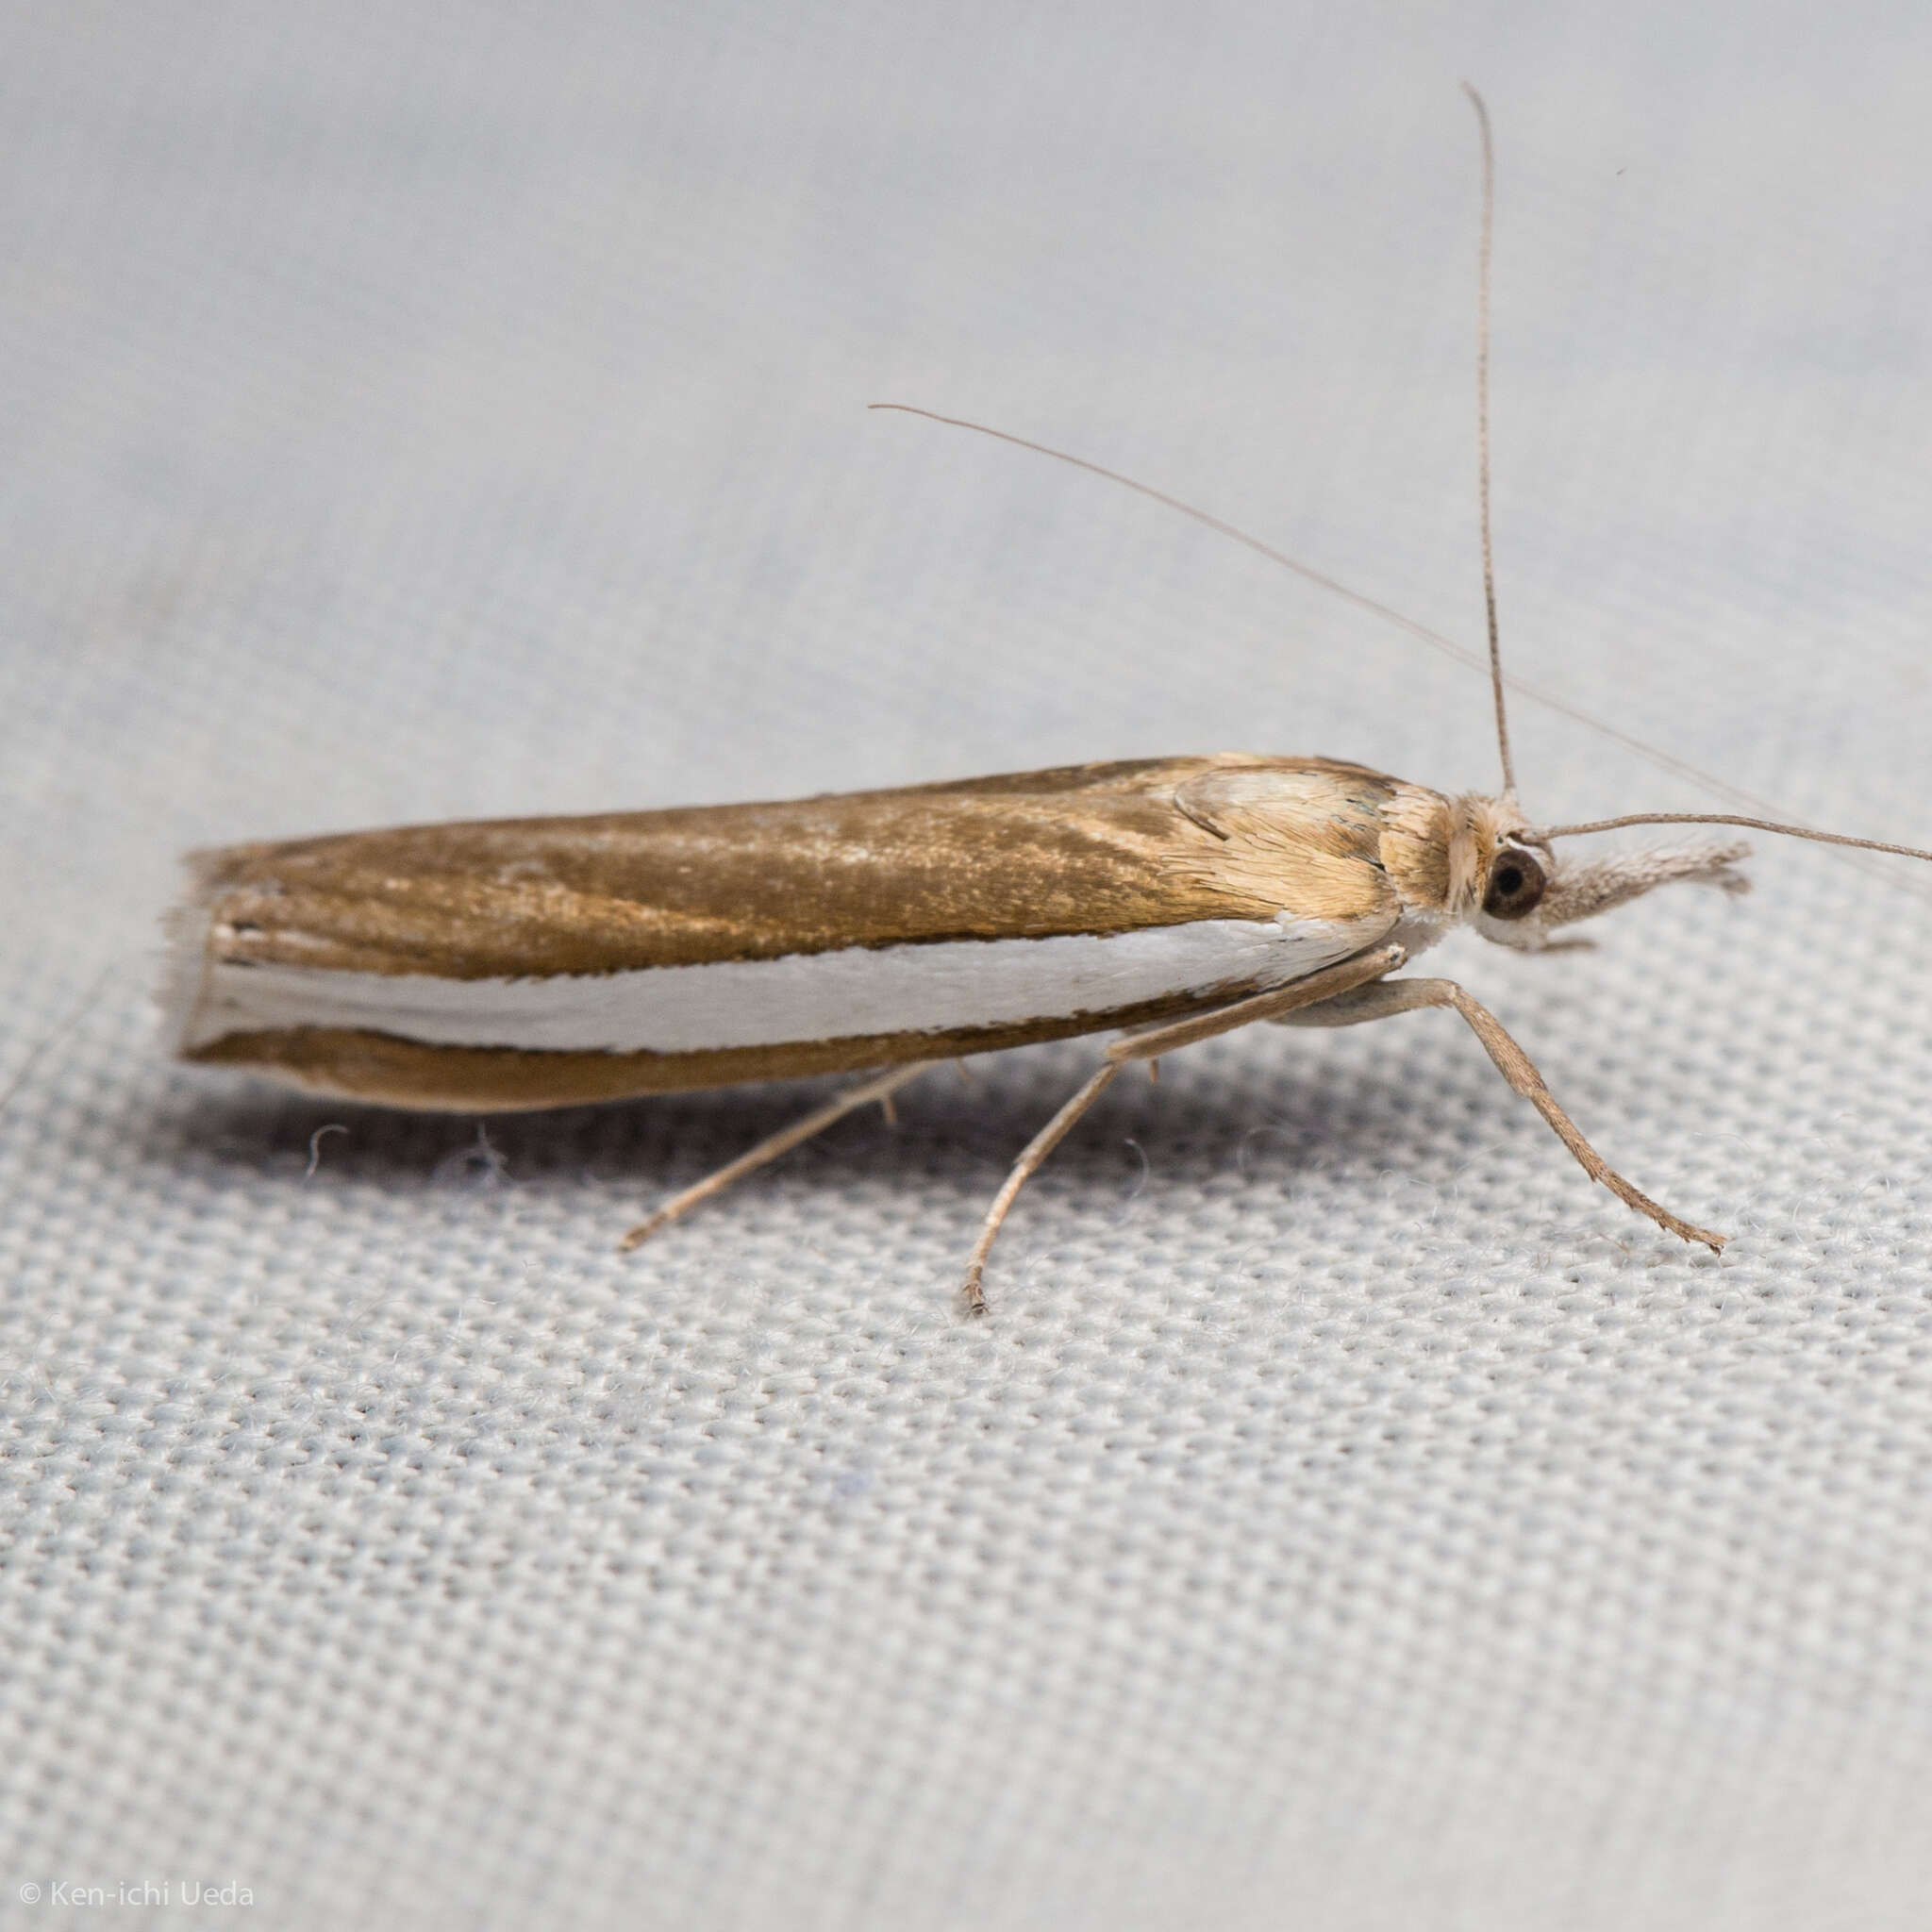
1316,839
1324,840
1418,850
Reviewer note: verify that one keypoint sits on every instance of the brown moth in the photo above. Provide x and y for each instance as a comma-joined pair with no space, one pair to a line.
546,963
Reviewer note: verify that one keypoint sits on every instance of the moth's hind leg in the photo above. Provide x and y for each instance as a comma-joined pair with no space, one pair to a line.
1388,997
878,1091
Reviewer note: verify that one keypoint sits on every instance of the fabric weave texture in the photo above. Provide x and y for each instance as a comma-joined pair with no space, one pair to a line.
1348,1516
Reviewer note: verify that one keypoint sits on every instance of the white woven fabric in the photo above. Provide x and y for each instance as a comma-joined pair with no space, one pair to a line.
1349,1517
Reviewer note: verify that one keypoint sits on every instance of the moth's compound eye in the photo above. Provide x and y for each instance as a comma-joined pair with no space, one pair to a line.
1516,885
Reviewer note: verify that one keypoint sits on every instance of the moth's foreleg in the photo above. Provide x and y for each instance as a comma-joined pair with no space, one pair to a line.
875,1092
1392,996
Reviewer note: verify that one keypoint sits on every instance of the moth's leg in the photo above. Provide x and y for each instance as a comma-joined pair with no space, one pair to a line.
1028,1164
875,1092
1410,995
1148,1044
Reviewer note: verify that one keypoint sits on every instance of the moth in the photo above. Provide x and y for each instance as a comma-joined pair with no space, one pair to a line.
530,963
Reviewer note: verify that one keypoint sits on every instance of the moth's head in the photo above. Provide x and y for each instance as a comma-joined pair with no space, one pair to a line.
1515,888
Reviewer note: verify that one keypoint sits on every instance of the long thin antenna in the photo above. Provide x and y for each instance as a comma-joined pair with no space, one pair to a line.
1650,754
1482,432
1447,646
1726,818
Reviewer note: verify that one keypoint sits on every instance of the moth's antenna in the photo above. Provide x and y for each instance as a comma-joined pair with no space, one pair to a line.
1663,760
1482,432
1448,646
1726,818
